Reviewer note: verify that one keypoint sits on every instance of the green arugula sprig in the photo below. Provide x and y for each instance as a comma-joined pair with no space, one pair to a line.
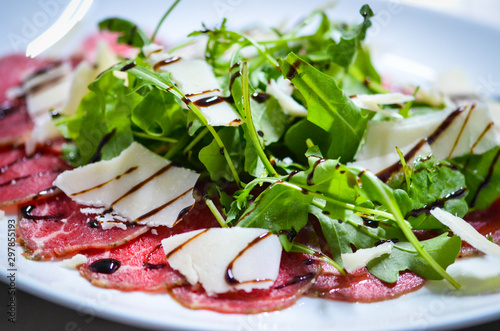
354,208
331,192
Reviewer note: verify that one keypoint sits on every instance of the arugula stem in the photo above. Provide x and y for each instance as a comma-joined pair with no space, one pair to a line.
300,248
302,24
341,204
180,46
216,213
283,40
405,111
177,147
195,140
163,19
247,113
351,222
406,171
374,86
262,50
145,136
217,139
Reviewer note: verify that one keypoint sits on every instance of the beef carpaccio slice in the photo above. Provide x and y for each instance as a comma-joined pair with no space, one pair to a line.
13,69
295,277
23,177
141,265
486,222
142,262
361,286
15,122
55,227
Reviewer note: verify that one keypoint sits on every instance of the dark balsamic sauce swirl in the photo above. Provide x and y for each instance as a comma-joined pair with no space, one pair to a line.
105,266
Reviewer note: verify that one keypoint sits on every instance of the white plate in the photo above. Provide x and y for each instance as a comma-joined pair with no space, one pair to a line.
437,42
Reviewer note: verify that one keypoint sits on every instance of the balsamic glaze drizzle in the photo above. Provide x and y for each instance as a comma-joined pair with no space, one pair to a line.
130,170
311,174
445,124
229,277
97,155
105,266
141,184
295,280
486,180
128,66
27,210
7,108
160,208
439,203
385,174
166,62
148,265
178,248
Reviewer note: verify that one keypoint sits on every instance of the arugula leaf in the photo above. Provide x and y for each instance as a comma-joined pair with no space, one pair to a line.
384,194
443,249
213,157
328,107
432,184
239,205
343,52
263,122
296,136
364,65
159,114
482,177
329,177
333,235
130,33
278,208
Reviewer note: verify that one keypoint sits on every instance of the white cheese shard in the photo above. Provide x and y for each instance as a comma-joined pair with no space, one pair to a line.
196,80
371,101
107,219
226,259
138,184
48,90
360,258
74,261
84,74
2,214
282,90
466,232
381,163
60,89
450,133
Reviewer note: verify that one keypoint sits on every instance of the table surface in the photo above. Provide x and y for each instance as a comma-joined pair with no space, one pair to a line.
34,313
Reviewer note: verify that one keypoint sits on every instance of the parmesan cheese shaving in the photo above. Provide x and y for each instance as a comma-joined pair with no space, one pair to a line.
466,232
74,262
197,81
360,258
251,256
371,101
282,90
138,185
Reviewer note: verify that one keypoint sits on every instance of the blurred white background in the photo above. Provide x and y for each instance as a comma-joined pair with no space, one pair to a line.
484,11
